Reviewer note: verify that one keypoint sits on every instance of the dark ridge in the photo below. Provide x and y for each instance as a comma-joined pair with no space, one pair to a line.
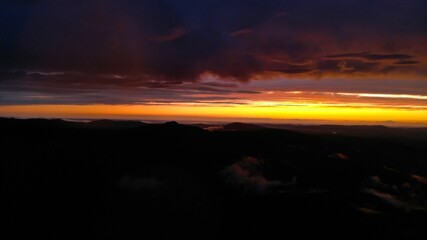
202,125
59,123
357,130
170,128
171,176
237,126
38,123
171,123
112,124
175,126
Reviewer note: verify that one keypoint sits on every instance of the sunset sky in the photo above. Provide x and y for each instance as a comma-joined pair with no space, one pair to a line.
307,61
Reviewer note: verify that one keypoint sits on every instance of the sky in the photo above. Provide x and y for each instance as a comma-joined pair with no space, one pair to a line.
308,61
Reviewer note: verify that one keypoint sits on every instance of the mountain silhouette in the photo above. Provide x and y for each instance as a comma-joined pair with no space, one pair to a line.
119,179
237,126
111,124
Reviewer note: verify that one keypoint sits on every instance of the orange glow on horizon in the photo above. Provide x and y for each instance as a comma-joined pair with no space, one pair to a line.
255,110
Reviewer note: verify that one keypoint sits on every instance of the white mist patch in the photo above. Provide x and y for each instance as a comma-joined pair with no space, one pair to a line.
248,174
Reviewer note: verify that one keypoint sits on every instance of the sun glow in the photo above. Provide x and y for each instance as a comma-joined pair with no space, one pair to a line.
254,110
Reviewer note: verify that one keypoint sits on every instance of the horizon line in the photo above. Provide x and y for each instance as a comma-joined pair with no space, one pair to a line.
223,121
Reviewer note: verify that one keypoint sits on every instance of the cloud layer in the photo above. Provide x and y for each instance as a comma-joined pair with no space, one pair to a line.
79,48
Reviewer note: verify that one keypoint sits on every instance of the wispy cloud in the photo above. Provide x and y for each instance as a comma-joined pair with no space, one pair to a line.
241,32
371,56
382,95
171,35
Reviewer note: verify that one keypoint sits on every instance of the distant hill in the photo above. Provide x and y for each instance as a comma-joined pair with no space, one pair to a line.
237,126
203,125
356,130
37,123
170,128
368,131
59,123
111,124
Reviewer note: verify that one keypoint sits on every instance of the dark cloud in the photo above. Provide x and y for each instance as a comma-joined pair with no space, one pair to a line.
216,84
161,44
349,66
294,70
24,87
387,56
371,56
406,62
170,36
241,32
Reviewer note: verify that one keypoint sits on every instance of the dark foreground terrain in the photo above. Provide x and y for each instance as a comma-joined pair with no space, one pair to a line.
130,180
